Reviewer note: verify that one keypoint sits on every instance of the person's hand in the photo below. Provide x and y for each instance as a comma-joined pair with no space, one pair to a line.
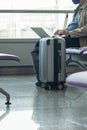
61,32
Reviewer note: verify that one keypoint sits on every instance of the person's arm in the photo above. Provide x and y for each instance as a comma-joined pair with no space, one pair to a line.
61,32
79,32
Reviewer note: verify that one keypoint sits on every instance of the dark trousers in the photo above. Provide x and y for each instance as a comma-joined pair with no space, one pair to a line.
70,42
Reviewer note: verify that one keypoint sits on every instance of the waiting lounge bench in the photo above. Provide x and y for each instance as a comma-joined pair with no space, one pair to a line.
78,79
77,56
9,57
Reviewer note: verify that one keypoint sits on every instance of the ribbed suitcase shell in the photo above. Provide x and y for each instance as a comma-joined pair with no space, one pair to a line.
52,58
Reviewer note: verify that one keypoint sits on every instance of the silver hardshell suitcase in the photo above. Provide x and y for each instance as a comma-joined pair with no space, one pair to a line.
52,58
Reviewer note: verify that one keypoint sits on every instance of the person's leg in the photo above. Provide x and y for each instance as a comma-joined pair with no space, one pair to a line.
36,46
71,42
35,57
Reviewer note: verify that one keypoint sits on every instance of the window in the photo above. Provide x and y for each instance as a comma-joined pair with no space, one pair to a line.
38,4
18,24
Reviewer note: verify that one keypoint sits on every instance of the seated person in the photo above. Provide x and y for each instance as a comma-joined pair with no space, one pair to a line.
75,33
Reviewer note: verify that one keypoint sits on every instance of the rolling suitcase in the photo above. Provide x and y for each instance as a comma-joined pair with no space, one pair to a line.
52,58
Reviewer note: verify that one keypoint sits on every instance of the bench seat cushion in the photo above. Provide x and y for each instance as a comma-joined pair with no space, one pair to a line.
4,56
78,79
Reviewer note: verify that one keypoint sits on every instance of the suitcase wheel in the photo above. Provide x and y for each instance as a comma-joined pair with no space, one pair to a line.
48,87
51,87
60,86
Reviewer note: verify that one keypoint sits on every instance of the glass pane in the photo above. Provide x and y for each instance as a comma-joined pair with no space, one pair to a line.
36,4
18,25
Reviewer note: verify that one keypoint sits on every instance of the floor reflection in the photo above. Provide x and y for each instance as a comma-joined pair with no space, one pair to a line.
34,108
18,120
5,113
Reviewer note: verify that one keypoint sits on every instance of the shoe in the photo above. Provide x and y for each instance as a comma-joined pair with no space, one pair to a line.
38,83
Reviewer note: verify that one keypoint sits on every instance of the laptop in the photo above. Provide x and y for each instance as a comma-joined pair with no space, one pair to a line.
40,32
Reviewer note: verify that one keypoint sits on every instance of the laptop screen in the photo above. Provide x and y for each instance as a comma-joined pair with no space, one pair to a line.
40,32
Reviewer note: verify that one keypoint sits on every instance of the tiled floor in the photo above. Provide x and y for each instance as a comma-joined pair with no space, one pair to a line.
35,108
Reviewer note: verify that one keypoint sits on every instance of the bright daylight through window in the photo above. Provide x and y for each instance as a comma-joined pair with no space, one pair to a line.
18,24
